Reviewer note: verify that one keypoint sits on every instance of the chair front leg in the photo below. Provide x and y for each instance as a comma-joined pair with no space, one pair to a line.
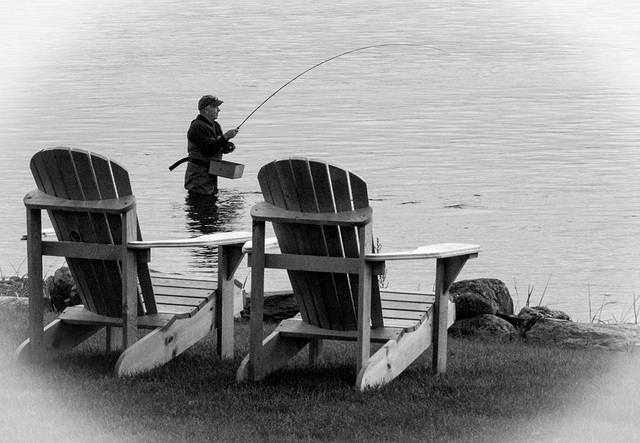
447,269
34,284
364,298
255,368
229,258
129,282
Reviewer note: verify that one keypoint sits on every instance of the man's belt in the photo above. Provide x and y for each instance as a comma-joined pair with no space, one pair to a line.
195,161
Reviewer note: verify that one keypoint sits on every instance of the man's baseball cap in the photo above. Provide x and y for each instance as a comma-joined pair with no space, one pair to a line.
208,100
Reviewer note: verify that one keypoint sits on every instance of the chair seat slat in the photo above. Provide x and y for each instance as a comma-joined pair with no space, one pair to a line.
295,327
407,297
181,301
181,282
184,292
389,315
79,315
405,306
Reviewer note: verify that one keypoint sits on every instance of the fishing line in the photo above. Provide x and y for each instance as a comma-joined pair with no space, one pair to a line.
333,58
363,49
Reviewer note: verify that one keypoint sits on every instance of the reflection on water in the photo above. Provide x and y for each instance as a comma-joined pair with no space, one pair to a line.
208,214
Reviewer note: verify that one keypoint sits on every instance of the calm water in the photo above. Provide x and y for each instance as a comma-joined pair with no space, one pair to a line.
515,125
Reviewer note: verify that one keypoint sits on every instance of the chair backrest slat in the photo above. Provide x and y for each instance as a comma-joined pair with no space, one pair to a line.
342,309
118,184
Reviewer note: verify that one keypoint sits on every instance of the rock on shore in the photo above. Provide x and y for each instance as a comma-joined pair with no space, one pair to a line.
484,313
615,337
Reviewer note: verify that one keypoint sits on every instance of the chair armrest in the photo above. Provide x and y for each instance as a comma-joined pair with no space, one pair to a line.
37,199
264,211
218,239
441,250
269,243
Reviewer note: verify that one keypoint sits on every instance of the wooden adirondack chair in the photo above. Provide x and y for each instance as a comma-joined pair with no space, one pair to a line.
93,211
322,220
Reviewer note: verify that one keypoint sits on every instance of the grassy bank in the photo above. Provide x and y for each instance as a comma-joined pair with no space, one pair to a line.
492,392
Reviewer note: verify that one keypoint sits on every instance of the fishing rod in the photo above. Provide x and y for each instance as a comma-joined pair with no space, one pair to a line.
333,58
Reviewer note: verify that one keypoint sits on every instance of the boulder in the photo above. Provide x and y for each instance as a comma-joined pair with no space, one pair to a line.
277,307
62,290
617,337
530,315
516,321
481,296
484,326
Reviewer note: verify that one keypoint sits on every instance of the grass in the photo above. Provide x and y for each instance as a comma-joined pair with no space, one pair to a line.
492,392
13,286
629,314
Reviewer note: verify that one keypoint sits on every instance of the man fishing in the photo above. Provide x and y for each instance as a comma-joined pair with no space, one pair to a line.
206,142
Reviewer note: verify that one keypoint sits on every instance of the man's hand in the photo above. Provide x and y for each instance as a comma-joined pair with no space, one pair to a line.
231,133
229,148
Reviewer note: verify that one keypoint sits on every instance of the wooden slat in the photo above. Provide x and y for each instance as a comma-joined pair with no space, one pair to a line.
146,286
358,191
342,197
201,294
337,291
184,289
80,250
181,291
407,296
106,187
390,314
113,180
405,306
441,250
297,328
41,200
267,212
407,325
360,200
236,238
176,309
80,315
189,302
181,281
313,263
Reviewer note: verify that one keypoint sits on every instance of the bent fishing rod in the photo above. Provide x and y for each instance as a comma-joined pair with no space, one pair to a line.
333,58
